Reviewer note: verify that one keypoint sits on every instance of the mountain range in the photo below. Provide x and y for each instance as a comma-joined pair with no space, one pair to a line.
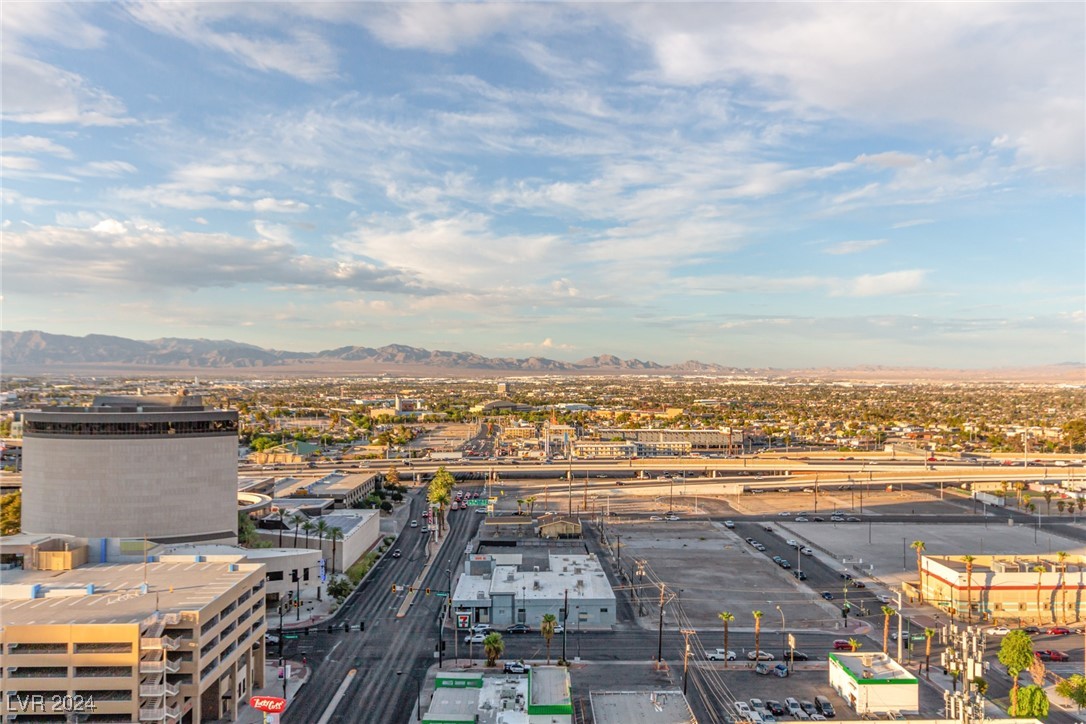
41,351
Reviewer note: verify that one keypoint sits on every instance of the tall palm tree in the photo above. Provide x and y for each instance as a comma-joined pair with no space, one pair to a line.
520,505
334,533
727,618
1040,571
1061,558
854,645
1048,501
887,612
968,560
308,527
919,546
547,629
493,647
928,634
322,530
757,633
296,520
531,504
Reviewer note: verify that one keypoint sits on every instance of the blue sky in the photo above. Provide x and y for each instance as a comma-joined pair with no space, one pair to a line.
751,184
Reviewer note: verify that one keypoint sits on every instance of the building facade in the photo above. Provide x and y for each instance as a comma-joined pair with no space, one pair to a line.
177,642
128,468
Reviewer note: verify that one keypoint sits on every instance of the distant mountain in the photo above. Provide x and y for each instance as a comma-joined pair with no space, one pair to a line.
26,352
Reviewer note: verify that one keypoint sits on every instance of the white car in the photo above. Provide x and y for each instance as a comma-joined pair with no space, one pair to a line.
671,517
271,638
655,517
806,551
414,524
476,638
885,598
791,543
759,655
742,709
784,514
729,524
757,705
999,631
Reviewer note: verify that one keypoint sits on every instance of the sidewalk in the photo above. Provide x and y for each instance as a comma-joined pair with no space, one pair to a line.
299,675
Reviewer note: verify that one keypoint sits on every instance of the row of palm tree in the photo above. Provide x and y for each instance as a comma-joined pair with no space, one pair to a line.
301,522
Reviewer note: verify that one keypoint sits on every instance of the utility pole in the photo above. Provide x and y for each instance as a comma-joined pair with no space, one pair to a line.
686,654
565,618
660,636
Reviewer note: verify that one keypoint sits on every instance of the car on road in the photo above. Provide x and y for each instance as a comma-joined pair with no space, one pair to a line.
396,553
858,584
999,631
271,638
414,524
884,598
759,655
826,595
791,543
515,667
671,517
759,547
784,514
425,529
729,524
519,628
1050,655
818,519
720,655
655,517
808,490
777,559
800,575
802,519
852,519
806,551
483,628
795,656
1031,630
559,628
1059,631
475,638
842,645
837,519
784,564
767,527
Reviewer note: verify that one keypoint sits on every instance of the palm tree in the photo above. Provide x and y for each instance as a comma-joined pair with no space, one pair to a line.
887,612
493,647
1048,500
854,645
296,520
1061,506
968,560
322,530
547,629
1039,570
1081,504
308,527
928,634
757,634
531,504
918,546
520,505
442,498
334,534
1061,558
727,618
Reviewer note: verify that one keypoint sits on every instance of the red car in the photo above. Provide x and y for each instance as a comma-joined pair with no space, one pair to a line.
1048,655
1059,631
842,645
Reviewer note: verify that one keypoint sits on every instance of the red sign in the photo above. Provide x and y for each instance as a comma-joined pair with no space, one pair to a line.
269,704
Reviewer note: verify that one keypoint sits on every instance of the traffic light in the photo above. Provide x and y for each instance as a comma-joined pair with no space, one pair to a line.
330,629
346,627
393,587
306,630
844,612
361,625
427,591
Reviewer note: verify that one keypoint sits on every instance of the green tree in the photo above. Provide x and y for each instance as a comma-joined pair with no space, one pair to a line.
1074,688
1048,501
386,505
887,612
854,645
308,527
919,546
296,520
334,533
757,631
493,647
1032,703
980,684
727,618
550,621
339,588
929,633
392,477
11,513
440,493
1016,653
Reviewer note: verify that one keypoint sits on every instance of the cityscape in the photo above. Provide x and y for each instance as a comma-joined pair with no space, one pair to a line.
543,363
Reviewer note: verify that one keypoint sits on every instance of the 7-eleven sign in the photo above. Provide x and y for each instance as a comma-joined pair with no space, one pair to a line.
463,620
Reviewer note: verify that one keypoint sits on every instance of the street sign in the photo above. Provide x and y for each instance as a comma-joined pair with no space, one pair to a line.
290,636
463,620
443,594
477,501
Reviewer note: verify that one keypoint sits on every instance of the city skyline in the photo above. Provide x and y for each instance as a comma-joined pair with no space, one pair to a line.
747,185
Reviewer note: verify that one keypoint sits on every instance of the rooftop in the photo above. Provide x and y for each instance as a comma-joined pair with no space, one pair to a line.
112,593
581,575
549,686
873,668
326,486
486,699
649,706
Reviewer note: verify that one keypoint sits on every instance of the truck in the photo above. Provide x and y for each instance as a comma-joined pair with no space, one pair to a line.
720,655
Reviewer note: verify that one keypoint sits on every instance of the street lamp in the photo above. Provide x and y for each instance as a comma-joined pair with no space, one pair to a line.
418,700
784,651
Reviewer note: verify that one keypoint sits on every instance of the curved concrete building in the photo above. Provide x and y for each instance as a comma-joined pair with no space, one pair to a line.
132,467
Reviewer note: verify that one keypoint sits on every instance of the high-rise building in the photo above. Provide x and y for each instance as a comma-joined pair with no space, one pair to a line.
128,468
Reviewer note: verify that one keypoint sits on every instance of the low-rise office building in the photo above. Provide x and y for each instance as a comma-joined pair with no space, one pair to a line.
1045,588
503,589
289,573
344,487
360,530
539,696
650,706
873,683
137,642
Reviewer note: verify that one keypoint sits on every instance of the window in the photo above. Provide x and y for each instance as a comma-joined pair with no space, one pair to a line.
603,610
305,574
275,575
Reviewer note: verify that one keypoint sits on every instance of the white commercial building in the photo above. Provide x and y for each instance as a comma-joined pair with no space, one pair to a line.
500,590
361,530
873,683
650,706
539,696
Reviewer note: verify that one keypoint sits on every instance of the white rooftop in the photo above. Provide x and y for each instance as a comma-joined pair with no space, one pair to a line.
649,706
581,575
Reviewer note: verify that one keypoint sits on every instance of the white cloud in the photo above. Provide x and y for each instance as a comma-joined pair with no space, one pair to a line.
912,222
440,27
18,163
36,92
853,247
34,144
104,168
111,227
876,285
283,206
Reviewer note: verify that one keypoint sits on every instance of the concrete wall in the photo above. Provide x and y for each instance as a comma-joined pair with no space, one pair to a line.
183,488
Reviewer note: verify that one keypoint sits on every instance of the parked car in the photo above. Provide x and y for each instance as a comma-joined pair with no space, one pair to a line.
808,707
1050,655
775,708
792,705
825,708
756,705
784,564
519,628
827,595
760,655
742,709
842,645
515,667
1059,631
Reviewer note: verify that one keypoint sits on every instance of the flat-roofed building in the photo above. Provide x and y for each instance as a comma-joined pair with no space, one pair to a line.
126,468
648,706
339,485
873,683
1007,586
508,588
288,572
587,449
698,440
361,530
539,696
161,641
